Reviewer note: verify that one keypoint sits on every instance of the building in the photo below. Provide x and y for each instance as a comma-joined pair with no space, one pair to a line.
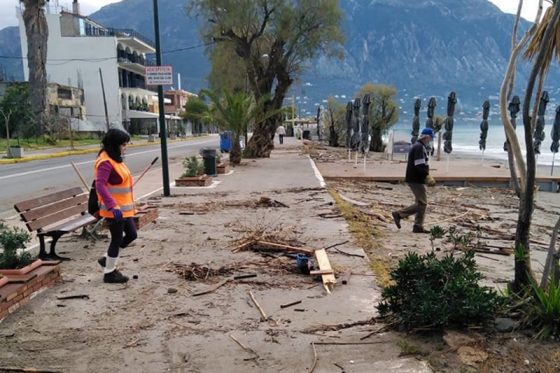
175,100
108,64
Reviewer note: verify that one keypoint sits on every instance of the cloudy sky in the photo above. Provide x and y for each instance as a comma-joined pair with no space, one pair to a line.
8,13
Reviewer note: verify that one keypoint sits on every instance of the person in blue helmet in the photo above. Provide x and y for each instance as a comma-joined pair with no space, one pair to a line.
417,176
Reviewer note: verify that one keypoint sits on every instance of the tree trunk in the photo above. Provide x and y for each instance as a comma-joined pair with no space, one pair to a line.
261,143
37,32
523,273
235,153
376,144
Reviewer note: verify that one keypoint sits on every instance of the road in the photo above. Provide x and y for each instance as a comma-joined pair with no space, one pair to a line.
26,180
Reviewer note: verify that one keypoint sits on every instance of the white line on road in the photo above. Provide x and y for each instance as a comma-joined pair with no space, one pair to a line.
78,164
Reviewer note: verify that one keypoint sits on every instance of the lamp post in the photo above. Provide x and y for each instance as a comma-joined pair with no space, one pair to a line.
163,132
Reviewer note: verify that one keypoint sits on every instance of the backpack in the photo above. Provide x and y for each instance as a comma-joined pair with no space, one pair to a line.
93,203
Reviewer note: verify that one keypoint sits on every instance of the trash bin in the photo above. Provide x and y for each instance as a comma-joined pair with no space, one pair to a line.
225,141
307,134
209,160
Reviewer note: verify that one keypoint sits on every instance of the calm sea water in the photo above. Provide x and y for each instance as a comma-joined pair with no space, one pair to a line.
466,134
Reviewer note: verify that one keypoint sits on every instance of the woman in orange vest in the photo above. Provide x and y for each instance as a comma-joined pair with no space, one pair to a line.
113,182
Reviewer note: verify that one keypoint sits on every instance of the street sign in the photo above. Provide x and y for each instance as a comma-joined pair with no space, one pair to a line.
159,75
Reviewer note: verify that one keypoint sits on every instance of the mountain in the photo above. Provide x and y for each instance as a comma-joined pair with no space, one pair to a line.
424,48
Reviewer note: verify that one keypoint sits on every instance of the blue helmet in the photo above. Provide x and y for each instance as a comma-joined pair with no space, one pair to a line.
427,132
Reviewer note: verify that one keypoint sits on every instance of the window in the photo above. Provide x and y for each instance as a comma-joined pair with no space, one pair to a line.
64,94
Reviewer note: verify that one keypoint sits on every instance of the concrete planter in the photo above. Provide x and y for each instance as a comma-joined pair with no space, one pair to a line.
15,152
185,181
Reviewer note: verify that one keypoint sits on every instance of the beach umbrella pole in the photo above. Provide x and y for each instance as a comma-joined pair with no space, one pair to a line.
356,160
365,157
552,168
482,157
447,164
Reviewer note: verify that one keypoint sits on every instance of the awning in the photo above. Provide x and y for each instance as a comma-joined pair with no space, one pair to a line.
171,116
135,114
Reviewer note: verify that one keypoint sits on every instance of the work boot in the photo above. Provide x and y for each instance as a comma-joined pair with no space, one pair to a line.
397,219
102,261
115,277
418,229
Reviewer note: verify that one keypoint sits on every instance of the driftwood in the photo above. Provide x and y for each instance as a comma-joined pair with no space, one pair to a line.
265,245
336,327
212,289
34,370
246,348
324,264
314,358
290,304
261,311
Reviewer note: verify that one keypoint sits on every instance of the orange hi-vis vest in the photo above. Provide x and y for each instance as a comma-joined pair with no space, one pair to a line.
121,193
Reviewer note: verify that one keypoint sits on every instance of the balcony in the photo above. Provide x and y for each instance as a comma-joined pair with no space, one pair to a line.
134,39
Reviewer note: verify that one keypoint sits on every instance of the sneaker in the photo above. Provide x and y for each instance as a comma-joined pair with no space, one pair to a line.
115,277
417,229
397,219
102,261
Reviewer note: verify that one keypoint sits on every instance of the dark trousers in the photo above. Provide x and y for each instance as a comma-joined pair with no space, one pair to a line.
419,206
118,241
281,139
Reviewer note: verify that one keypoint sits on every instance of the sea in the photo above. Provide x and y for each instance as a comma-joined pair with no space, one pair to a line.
466,135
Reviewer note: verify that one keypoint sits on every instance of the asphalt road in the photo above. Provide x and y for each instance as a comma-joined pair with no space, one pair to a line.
27,180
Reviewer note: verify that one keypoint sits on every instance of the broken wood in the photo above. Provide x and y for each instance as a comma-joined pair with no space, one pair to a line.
34,370
76,296
290,304
314,358
336,244
321,272
212,289
346,276
261,311
288,248
246,348
348,343
329,215
324,264
349,254
248,275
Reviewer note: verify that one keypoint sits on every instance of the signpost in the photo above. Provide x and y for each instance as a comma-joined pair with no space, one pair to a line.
159,75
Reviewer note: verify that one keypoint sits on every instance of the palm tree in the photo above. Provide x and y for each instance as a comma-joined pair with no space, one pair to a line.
233,111
37,32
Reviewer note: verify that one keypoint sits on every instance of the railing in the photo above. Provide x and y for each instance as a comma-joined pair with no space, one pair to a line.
130,33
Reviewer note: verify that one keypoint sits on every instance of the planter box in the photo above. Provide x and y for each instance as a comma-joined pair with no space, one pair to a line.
222,168
19,289
146,216
21,271
15,152
203,180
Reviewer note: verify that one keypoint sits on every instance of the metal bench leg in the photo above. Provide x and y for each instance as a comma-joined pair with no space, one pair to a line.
42,250
52,255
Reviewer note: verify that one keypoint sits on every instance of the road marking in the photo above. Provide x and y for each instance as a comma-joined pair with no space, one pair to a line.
86,162
317,173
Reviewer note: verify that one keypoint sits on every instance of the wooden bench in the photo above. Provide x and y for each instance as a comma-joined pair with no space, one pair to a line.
54,215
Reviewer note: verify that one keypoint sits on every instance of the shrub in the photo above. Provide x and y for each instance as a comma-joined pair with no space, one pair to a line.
13,239
540,309
436,293
193,167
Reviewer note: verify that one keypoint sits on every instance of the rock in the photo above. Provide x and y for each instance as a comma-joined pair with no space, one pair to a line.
505,324
171,291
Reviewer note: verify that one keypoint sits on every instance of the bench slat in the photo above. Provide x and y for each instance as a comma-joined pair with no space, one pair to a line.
45,211
74,224
54,218
47,199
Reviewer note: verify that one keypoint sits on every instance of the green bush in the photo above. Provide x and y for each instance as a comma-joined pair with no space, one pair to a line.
540,309
436,293
193,166
13,239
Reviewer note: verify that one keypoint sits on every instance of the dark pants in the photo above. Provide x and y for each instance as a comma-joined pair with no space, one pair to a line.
419,206
118,241
281,139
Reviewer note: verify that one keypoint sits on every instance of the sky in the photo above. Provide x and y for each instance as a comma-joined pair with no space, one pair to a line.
8,13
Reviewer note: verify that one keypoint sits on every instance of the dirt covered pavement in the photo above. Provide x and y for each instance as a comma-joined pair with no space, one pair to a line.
155,324
158,322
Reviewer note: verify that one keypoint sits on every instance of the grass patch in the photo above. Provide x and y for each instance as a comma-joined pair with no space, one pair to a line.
367,236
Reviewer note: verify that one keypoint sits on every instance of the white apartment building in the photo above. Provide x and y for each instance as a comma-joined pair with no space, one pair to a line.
83,53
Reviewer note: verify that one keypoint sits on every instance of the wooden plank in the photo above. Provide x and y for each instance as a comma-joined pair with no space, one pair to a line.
321,272
44,211
71,225
46,199
324,264
54,218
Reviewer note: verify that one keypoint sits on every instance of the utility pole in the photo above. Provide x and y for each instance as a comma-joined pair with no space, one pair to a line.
162,130
104,100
